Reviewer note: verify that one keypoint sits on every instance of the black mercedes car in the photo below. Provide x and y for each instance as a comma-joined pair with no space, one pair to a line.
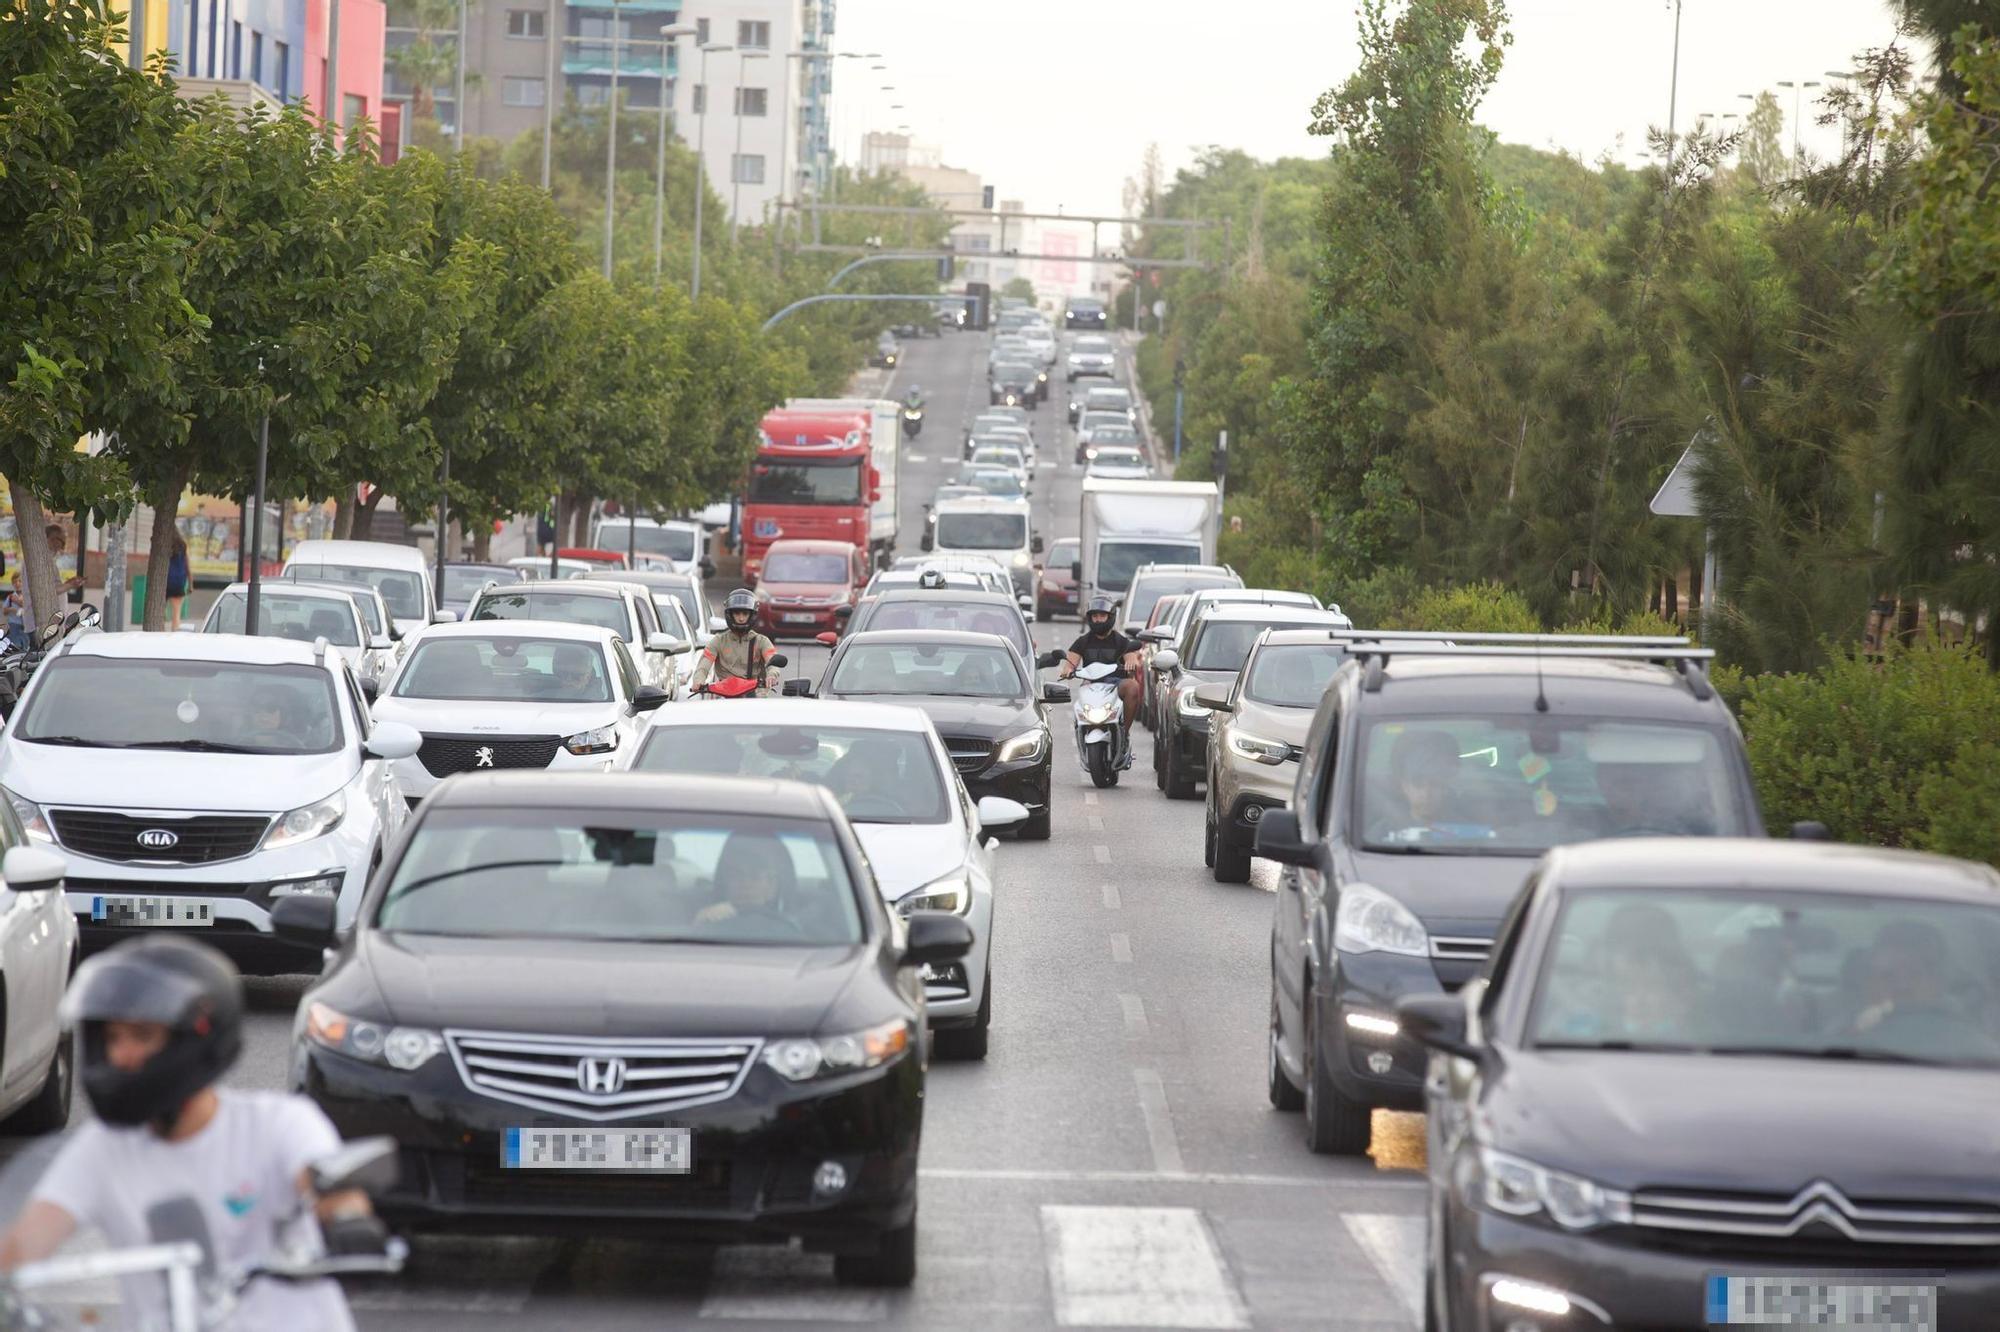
1722,1081
973,688
632,1003
1014,385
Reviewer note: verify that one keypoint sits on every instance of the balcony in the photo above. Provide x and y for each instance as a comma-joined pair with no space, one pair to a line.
634,61
671,8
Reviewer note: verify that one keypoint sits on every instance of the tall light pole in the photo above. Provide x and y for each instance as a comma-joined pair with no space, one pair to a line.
554,39
736,158
458,86
1673,98
701,167
611,142
332,65
667,35
1798,108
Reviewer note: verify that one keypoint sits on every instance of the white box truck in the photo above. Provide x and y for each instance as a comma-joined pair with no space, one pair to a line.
1125,524
885,454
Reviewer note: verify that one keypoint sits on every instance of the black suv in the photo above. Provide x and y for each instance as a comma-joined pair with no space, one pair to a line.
1434,774
1014,385
1084,312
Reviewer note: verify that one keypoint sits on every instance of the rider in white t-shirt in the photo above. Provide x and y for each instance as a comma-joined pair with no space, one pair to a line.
161,1022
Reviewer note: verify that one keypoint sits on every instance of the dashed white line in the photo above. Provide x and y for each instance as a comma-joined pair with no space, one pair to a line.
1121,948
1112,901
1137,1267
1135,1012
1090,798
1094,823
1102,854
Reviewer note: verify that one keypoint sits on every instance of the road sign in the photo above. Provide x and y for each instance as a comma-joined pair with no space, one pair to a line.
1159,309
1676,497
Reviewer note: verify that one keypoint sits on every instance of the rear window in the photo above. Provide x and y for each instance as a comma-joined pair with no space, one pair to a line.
936,612
556,604
798,566
287,615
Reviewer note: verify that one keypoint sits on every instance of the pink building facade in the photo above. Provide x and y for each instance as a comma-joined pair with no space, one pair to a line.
363,29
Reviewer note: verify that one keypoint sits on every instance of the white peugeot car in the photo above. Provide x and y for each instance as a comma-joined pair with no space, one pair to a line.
487,694
925,836
195,780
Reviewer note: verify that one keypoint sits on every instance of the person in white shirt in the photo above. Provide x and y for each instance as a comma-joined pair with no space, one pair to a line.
162,1021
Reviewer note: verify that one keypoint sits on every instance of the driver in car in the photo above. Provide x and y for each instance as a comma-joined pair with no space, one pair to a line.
572,672
753,874
267,720
1425,768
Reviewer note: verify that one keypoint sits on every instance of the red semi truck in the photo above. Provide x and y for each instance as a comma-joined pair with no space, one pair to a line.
825,470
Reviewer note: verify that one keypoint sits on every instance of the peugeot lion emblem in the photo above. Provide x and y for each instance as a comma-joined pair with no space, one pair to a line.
601,1076
159,839
482,757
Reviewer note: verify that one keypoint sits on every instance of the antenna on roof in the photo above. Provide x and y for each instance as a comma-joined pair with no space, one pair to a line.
1541,694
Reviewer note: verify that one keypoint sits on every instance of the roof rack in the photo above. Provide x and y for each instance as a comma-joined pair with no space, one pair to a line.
1419,636
1687,662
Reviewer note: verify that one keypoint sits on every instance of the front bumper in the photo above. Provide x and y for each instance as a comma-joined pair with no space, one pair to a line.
417,780
1026,780
1615,1279
753,1160
796,621
1187,754
1245,810
1370,984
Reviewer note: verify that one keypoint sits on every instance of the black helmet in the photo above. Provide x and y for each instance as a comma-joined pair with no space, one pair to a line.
1100,606
744,600
187,987
930,577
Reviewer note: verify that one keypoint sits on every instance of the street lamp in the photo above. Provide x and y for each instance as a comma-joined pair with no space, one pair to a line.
736,158
701,166
1798,130
610,143
667,36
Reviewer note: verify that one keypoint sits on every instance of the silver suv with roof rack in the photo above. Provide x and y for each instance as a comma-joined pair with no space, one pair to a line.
1437,769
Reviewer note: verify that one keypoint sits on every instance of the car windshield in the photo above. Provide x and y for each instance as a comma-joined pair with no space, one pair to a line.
1292,675
1113,433
998,455
806,481
1518,785
675,543
462,582
1013,372
202,706
801,566
1783,973
1117,561
1224,645
505,669
1063,554
1092,345
982,531
996,481
1147,592
402,590
623,875
877,776
922,668
558,604
935,612
287,615
1116,458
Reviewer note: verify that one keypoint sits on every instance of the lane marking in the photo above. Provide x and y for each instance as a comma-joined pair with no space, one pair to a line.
1121,948
1111,899
1410,1182
1159,1121
915,457
1135,1012
1395,1245
1090,797
785,1285
1137,1267
1101,853
1095,823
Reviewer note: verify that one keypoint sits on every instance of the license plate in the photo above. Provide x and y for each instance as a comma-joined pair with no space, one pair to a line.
177,911
667,1151
1887,1305
800,619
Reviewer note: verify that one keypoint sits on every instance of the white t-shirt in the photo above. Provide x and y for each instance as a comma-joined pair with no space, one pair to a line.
242,1168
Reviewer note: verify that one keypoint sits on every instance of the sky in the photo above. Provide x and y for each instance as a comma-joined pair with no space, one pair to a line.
1053,102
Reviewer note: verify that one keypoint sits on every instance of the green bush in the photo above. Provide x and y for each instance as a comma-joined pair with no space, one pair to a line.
1474,608
1376,601
1898,752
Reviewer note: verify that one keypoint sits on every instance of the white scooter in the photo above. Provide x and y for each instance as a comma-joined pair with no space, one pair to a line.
1100,721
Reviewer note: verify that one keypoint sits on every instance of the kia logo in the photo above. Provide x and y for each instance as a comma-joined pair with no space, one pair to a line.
601,1076
158,839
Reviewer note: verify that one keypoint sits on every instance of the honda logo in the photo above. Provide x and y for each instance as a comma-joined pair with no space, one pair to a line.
601,1076
482,757
158,839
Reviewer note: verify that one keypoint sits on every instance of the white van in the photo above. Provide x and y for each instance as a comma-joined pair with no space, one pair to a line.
1000,529
399,573
675,547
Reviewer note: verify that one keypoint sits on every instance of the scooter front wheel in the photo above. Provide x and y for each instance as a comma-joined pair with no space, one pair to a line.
1097,758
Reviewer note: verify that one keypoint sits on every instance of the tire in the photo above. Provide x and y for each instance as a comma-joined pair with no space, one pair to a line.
1043,614
968,1043
49,1111
1036,829
1176,786
1208,837
1230,862
892,1265
1335,1126
1284,1096
1097,758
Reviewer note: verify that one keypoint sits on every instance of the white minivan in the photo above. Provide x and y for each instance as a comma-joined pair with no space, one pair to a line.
1000,529
398,572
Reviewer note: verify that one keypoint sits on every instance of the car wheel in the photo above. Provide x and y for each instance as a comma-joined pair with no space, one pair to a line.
1335,1126
1175,785
1036,829
969,1042
1043,615
1208,836
1232,862
1278,1084
49,1111
894,1262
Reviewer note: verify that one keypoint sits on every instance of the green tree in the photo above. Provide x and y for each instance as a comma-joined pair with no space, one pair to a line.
1019,289
1762,154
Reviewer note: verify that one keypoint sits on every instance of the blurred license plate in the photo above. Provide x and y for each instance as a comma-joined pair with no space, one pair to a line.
667,1150
1782,1301
151,911
798,618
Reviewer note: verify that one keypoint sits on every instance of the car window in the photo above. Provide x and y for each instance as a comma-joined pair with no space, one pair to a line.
930,612
1064,552
282,614
558,604
462,582
1319,766
982,531
1517,785
506,670
877,776
202,706
403,590
357,701
628,670
921,668
625,875
1292,675
797,566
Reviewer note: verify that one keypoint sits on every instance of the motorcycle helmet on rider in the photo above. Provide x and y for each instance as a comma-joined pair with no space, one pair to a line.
1098,617
739,610
187,987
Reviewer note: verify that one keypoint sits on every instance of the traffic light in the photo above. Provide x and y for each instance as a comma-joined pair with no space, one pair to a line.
946,265
986,197
1180,372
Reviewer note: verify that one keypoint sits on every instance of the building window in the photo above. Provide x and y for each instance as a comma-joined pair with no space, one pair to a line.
525,23
352,109
601,27
591,94
235,50
521,92
700,99
281,60
701,32
753,36
752,101
747,168
256,57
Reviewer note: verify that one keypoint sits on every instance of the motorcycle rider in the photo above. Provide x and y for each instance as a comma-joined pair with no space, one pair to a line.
739,652
1101,643
162,1021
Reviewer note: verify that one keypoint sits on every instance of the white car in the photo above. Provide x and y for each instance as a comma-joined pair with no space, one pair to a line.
1118,462
490,694
624,608
1004,456
375,618
923,834
672,547
1090,354
303,612
400,573
195,780
537,567
38,948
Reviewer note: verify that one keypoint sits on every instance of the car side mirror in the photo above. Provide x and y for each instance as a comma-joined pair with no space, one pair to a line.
1166,659
707,567
998,812
665,644
381,643
1055,693
842,612
1053,657
829,638
1439,1021
648,697
716,624
1035,544
1811,830
393,740
936,936
1279,839
1076,570
30,869
796,689
307,921
1213,696
444,617
1159,633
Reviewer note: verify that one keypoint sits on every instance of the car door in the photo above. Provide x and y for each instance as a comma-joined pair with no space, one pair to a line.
1298,886
31,971
629,683
379,786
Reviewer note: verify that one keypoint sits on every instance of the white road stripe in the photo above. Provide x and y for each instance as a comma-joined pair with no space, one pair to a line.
785,1285
1135,1012
1137,1267
1090,797
1102,854
1159,1121
1112,901
915,457
1094,823
1121,948
1395,1245
1408,1182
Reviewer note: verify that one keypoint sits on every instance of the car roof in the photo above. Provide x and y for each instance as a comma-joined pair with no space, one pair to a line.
1249,596
1260,613
1755,863
139,645
478,564
1297,638
1108,388
1178,570
658,791
932,637
649,578
286,587
809,545
967,595
983,503
605,587
365,554
1628,688
799,711
518,629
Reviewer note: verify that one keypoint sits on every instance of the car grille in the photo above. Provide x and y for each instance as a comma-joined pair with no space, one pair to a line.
1818,1222
443,755
162,887
968,753
105,835
588,1078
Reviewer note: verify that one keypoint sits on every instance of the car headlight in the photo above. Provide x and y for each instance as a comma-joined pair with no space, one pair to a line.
1027,745
1371,921
1257,748
1020,559
307,822
31,817
951,893
1517,1187
1185,700
403,1048
598,740
800,1059
320,885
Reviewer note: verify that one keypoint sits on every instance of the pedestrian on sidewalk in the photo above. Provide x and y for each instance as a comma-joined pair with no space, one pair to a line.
177,580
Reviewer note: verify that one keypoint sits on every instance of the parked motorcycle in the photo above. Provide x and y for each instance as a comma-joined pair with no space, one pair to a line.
17,664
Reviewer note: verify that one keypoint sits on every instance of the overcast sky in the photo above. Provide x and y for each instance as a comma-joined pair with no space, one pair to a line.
1054,101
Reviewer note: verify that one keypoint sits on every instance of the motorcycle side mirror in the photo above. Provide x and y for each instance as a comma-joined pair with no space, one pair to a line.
51,632
89,615
780,660
368,1164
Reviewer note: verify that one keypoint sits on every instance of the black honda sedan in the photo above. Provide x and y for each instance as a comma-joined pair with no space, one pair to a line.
634,1003
977,694
1722,1081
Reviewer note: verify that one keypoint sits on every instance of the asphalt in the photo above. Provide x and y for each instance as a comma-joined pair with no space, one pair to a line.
1113,1161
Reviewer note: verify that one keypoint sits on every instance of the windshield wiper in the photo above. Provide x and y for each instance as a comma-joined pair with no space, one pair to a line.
1640,1047
1854,1053
200,747
74,740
